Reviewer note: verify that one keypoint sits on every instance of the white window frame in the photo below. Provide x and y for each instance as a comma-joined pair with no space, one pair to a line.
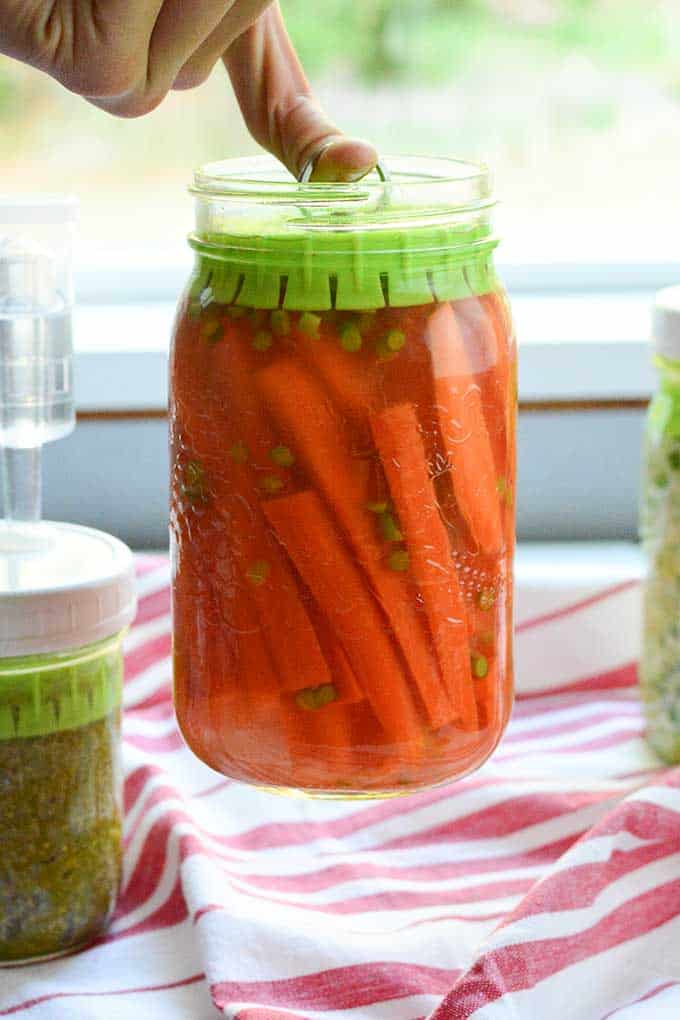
583,331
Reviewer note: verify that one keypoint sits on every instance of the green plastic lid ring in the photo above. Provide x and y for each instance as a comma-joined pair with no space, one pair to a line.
67,594
44,694
418,235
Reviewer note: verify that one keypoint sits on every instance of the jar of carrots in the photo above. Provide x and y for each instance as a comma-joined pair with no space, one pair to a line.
342,431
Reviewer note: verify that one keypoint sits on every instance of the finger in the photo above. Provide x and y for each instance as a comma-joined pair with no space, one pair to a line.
198,67
181,28
279,109
99,54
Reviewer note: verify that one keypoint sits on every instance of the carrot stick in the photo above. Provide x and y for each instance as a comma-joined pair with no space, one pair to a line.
256,674
348,690
303,412
487,349
321,746
486,695
497,305
235,448
499,312
397,437
264,572
463,430
248,439
252,728
353,384
310,538
245,554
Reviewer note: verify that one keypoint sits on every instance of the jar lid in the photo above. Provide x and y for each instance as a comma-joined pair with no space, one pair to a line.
666,324
62,586
269,241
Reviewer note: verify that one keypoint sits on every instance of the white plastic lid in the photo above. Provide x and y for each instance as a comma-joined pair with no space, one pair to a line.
62,586
666,326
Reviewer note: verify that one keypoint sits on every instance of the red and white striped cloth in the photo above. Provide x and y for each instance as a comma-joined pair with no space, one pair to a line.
545,886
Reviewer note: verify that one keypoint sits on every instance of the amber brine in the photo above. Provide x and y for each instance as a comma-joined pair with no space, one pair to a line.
343,390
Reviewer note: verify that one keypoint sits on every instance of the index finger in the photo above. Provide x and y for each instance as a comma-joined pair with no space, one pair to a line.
280,111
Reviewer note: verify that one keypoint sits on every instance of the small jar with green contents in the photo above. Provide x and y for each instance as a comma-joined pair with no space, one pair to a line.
660,534
66,598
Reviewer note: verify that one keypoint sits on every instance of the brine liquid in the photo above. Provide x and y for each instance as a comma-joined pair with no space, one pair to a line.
342,526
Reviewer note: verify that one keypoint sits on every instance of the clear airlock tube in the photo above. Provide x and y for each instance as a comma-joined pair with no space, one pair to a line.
36,350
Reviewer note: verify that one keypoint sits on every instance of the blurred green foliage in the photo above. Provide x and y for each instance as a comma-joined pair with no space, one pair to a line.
434,40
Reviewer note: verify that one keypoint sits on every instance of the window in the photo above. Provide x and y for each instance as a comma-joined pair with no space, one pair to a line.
574,103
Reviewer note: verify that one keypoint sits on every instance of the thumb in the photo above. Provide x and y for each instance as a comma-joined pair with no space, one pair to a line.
280,111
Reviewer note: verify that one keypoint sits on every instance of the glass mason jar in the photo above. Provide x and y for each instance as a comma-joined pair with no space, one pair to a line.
342,416
660,534
63,612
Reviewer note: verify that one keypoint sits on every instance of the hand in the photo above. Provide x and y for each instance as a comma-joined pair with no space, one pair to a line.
124,56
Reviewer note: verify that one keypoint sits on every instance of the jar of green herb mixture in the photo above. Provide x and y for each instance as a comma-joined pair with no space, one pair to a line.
67,596
660,534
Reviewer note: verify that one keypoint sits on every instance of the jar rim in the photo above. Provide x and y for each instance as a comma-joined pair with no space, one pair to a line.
419,182
263,238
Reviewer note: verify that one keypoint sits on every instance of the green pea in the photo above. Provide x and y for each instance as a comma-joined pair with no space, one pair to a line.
282,456
486,598
309,323
194,483
271,484
210,330
258,572
390,529
280,322
239,452
378,508
395,340
480,666
350,338
399,560
262,340
313,698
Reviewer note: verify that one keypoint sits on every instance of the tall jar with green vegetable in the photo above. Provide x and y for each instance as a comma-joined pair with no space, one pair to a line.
660,533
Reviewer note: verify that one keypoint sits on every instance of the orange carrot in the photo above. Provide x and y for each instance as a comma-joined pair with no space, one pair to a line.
315,731
487,349
243,553
486,695
321,746
247,437
398,439
252,727
347,688
310,538
264,572
353,384
463,430
256,674
497,307
304,414
236,450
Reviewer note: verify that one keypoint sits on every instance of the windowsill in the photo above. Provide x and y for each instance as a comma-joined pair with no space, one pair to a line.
589,346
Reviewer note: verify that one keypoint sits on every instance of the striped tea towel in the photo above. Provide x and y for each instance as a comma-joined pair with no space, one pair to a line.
545,886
